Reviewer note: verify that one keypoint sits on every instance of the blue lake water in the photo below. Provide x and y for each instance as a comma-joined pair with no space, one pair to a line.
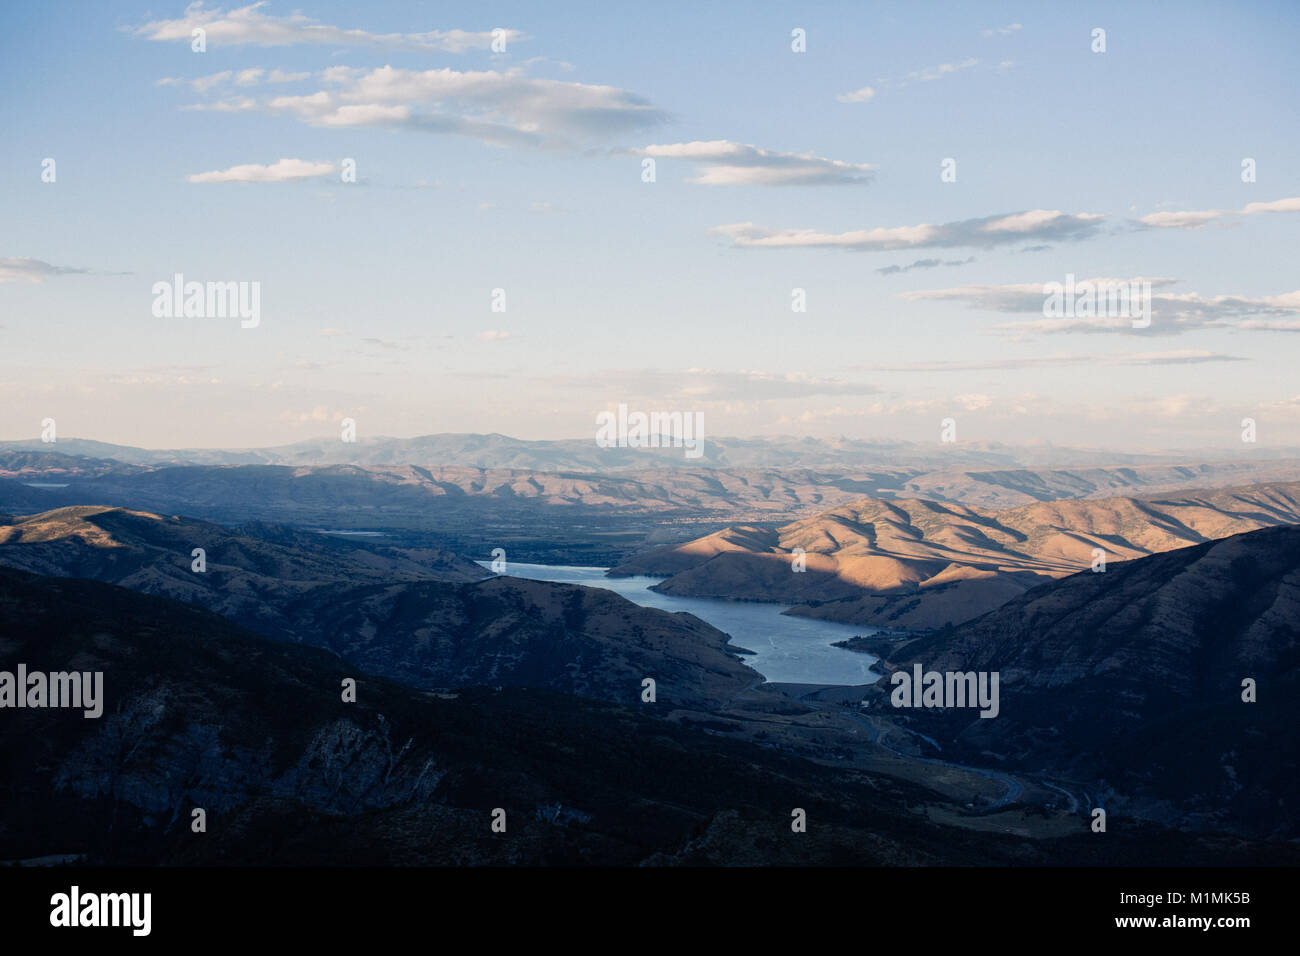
786,649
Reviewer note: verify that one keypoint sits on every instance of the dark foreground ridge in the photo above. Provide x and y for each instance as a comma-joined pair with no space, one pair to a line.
200,713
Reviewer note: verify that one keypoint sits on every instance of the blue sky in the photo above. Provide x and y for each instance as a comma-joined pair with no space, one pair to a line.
522,171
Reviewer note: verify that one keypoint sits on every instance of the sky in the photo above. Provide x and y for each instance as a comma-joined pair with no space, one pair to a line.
523,169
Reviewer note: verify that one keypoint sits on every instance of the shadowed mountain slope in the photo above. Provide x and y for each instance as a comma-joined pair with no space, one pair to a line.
1135,676
427,618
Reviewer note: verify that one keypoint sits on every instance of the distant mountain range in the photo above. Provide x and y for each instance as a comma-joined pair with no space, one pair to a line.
420,496
912,564
503,452
1134,677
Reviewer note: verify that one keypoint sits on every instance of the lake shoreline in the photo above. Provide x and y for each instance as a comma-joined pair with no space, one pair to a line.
795,651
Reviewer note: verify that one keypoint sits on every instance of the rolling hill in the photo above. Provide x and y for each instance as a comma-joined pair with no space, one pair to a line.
913,564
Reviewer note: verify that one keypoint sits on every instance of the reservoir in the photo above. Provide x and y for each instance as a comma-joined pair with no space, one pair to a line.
786,649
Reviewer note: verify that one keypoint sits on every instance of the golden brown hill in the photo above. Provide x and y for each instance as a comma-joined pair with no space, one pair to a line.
914,564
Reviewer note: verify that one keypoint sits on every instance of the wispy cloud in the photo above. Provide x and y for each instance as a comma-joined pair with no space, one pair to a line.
253,76
926,75
1195,219
283,171
1005,31
33,270
724,163
942,70
1171,312
1035,224
250,26
384,344
925,264
1016,297
1186,357
712,385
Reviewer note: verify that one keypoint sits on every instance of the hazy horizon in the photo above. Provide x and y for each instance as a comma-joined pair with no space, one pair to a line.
1245,452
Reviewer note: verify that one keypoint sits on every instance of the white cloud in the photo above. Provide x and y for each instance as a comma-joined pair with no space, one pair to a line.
494,335
973,403
1039,224
248,25
1007,30
1195,219
724,163
204,83
279,76
1182,220
283,171
857,96
319,413
1277,205
501,108
562,65
242,105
